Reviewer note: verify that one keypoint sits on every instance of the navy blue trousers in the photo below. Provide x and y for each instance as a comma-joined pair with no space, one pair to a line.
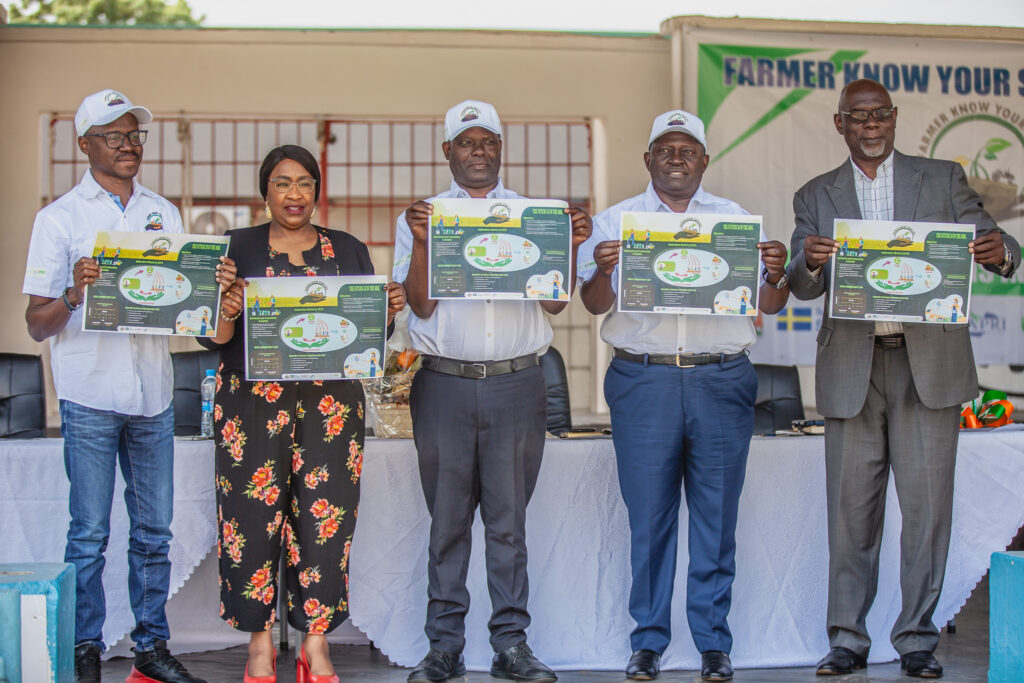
686,428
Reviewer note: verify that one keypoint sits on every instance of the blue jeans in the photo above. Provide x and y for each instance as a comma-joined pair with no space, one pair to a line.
95,441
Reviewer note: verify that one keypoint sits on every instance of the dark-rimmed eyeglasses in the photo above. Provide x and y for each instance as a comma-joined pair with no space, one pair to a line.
283,185
114,140
861,115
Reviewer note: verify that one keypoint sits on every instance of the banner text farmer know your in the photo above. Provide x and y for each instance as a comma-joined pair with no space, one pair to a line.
762,72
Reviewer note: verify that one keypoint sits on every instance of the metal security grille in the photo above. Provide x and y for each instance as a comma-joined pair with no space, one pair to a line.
372,169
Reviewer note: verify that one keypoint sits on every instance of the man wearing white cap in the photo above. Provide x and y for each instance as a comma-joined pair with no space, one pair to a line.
114,389
691,375
478,410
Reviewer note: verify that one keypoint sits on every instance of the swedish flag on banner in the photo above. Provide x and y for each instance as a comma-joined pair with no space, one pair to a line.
794,319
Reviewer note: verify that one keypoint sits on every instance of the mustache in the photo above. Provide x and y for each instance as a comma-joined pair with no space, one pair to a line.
129,155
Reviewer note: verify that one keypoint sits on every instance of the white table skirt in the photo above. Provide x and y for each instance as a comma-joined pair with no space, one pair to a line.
579,551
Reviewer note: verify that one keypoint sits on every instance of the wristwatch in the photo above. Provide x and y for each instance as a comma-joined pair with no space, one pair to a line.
783,281
67,302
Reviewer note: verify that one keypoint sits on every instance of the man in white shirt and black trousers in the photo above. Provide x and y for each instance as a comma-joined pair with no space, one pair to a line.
681,393
478,408
114,389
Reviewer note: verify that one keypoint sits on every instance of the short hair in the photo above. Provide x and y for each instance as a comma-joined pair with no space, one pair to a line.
294,152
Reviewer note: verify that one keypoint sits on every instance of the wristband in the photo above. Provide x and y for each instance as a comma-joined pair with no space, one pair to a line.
67,302
232,318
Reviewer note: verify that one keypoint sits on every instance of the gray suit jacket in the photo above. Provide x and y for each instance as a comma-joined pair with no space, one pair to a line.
941,358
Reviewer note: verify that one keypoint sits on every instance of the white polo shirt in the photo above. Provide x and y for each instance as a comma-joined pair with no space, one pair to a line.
472,329
126,373
664,333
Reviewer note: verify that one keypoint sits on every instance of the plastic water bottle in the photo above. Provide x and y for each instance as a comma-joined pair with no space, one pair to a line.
208,389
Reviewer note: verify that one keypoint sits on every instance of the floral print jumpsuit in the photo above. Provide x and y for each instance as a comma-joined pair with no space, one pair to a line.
288,460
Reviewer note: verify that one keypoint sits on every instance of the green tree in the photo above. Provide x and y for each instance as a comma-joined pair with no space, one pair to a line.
104,12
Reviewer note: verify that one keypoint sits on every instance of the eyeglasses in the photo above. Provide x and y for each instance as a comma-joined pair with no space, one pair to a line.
880,114
283,185
114,140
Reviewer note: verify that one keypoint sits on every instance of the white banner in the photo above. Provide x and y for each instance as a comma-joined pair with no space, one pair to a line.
768,99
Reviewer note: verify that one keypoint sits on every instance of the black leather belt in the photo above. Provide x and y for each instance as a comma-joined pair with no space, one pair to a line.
680,360
890,341
481,370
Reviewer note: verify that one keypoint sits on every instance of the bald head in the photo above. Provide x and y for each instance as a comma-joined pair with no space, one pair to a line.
865,85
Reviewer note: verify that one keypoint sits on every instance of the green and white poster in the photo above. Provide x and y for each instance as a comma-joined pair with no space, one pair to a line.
315,328
768,99
902,271
500,249
155,283
689,263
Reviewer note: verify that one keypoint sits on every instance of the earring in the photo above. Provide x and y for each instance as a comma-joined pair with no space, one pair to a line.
266,211
312,214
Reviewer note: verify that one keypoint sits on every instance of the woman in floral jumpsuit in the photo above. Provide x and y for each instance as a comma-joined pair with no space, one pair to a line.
288,454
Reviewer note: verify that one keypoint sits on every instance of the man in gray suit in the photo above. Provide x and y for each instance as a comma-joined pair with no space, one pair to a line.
890,392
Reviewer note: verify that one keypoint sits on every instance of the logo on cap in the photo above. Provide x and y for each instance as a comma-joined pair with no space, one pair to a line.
154,221
677,119
469,114
114,98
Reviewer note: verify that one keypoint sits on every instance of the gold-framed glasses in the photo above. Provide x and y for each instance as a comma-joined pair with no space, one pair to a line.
285,185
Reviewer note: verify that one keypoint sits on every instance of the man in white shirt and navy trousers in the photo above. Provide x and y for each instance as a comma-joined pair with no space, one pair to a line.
114,389
478,410
681,393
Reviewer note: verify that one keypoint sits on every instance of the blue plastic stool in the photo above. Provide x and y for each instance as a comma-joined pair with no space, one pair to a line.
1006,617
10,635
46,605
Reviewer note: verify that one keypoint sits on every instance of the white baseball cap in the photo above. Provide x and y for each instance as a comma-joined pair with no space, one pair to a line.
468,114
100,108
679,121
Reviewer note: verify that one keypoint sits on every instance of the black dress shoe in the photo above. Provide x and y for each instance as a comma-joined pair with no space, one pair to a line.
921,664
517,663
715,666
159,665
438,666
644,665
840,660
87,663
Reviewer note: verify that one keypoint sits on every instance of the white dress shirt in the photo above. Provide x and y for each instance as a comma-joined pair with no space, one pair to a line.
126,373
664,333
874,196
472,329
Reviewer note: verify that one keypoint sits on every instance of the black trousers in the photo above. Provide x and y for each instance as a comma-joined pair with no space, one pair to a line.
480,442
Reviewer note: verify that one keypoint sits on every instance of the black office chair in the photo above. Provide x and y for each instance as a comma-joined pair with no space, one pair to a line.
189,370
559,413
22,397
779,401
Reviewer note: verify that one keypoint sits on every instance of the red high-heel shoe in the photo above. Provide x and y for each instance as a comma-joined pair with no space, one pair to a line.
303,674
262,679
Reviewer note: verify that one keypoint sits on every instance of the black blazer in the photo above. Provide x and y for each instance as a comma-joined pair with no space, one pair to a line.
248,249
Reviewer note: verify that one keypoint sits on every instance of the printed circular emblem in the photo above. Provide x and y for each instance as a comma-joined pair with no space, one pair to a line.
500,213
469,114
903,275
688,229
902,236
690,268
501,253
314,332
677,119
154,286
316,292
154,221
113,98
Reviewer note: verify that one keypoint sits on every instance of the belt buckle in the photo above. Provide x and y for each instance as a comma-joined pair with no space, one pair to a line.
483,370
678,356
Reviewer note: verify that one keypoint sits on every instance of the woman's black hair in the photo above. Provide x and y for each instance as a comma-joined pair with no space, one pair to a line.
295,153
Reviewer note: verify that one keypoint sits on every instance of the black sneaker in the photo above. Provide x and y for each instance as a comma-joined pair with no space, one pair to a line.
159,666
87,663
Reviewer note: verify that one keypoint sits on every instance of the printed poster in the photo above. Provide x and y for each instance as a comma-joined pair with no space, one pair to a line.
500,249
315,328
155,283
689,263
902,271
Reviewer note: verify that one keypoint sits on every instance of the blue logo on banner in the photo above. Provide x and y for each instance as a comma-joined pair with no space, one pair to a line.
794,319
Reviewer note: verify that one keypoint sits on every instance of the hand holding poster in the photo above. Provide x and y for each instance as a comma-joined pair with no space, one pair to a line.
155,283
315,328
902,271
689,263
499,249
